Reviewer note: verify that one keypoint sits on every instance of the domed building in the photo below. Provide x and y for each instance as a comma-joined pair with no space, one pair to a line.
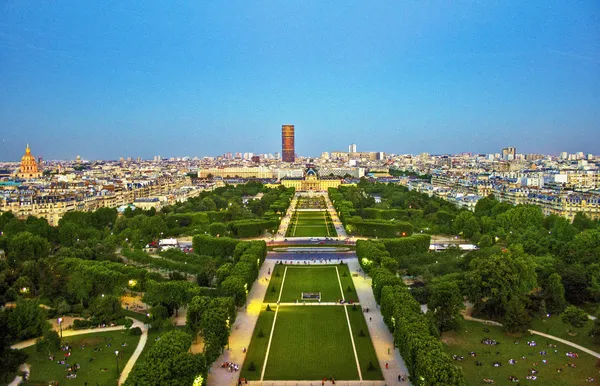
29,166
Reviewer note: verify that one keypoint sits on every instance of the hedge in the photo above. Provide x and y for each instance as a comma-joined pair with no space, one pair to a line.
214,246
407,245
381,228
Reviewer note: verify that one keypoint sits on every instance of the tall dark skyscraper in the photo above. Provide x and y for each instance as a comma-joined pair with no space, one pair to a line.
287,143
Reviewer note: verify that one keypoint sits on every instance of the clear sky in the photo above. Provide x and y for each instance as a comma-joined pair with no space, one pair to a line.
108,79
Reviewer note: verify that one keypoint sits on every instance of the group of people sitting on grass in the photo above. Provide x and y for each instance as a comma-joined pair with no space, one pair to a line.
491,342
533,372
572,354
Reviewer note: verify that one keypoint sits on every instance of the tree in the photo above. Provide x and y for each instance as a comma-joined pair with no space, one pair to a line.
516,317
445,303
485,241
235,287
207,204
492,281
27,320
26,246
159,316
106,308
466,223
595,331
198,305
214,327
50,342
554,292
583,222
574,316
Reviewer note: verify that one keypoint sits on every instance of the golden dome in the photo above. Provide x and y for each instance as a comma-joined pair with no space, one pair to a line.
29,166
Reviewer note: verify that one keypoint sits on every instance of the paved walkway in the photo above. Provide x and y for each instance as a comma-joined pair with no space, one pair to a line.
380,335
136,354
339,227
241,331
285,220
556,338
313,303
66,333
318,383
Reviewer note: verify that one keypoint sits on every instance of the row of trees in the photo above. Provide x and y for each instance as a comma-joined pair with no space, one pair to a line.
388,253
414,333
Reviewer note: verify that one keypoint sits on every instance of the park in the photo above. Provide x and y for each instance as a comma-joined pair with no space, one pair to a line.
295,311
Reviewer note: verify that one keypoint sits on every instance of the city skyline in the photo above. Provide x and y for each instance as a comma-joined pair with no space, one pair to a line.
117,80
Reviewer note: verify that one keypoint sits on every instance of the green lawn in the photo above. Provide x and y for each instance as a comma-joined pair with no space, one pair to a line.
93,358
302,278
258,345
364,346
469,338
554,326
311,343
311,224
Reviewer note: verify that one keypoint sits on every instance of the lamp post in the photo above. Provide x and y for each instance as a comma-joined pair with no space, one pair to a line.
60,320
117,357
229,331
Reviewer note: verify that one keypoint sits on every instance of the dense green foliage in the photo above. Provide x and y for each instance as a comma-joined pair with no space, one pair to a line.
168,362
422,352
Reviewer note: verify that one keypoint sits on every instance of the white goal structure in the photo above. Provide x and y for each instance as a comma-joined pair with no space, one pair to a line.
311,296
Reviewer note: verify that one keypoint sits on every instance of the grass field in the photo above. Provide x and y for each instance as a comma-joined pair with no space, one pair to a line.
555,326
314,278
311,342
469,338
311,224
93,358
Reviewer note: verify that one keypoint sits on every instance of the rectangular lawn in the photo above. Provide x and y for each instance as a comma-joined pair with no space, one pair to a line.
311,279
310,343
311,224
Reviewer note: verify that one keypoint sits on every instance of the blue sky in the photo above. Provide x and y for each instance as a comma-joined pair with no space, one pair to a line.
106,79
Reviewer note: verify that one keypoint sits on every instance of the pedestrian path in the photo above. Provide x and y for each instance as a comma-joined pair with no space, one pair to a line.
241,331
382,338
285,220
339,227
136,354
66,333
318,383
313,303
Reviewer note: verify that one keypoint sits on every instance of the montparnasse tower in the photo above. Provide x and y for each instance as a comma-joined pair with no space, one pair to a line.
29,166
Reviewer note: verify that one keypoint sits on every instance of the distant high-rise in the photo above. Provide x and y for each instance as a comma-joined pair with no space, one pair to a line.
352,148
287,143
509,153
